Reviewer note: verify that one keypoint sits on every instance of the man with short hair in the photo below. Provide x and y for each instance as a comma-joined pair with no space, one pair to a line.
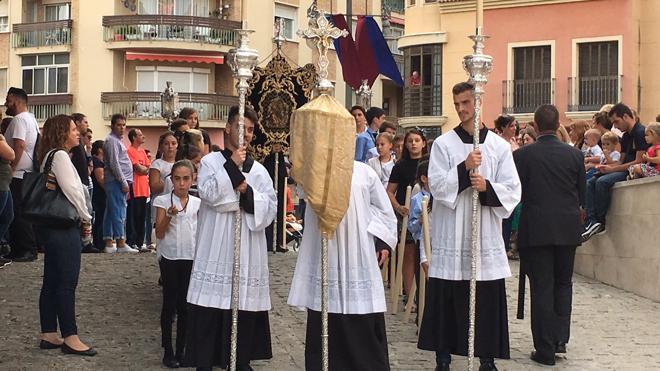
137,201
21,135
230,181
118,176
363,140
452,180
553,182
375,118
633,146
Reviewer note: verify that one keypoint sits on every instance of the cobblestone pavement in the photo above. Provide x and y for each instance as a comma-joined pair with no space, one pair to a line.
118,308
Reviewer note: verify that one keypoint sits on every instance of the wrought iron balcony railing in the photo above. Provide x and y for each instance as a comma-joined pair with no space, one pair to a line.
525,95
591,93
146,105
45,106
204,30
422,100
29,35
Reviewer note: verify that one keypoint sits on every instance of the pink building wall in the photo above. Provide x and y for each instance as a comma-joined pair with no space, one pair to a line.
561,23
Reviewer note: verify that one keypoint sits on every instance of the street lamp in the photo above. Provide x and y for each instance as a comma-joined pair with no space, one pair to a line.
169,101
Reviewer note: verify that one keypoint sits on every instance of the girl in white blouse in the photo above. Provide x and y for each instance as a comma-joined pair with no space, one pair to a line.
176,230
63,245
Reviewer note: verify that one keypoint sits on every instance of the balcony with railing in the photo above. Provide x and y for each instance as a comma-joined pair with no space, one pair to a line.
422,100
147,105
45,106
169,28
591,93
525,95
395,6
42,34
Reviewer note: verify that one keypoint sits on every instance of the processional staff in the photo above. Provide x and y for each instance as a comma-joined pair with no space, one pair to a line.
242,61
320,33
478,66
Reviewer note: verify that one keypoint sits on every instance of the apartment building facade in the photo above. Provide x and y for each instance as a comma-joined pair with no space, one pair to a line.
576,54
114,56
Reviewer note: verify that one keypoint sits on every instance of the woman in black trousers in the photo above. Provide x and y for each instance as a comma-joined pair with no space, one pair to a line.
62,245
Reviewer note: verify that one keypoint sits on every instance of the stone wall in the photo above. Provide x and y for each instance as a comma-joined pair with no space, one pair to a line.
627,255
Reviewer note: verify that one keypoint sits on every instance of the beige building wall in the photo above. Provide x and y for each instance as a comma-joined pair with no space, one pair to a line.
649,59
93,64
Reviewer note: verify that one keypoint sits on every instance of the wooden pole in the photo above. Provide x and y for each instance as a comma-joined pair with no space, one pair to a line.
398,278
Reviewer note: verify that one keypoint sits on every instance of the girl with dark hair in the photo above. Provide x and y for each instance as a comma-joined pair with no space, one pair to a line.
62,245
176,230
192,117
507,127
160,169
404,175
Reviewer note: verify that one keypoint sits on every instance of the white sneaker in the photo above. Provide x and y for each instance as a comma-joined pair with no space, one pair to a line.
126,249
110,250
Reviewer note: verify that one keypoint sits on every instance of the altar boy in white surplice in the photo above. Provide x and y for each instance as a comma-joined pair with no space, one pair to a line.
362,241
220,178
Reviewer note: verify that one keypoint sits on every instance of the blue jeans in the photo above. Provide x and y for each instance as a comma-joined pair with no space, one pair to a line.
599,195
114,218
6,212
57,302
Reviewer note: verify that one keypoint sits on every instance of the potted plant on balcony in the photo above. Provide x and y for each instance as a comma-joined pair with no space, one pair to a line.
119,33
132,33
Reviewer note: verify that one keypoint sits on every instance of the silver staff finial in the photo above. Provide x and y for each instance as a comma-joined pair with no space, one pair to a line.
242,61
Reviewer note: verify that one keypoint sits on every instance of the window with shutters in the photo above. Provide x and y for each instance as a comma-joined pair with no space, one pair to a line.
532,84
598,80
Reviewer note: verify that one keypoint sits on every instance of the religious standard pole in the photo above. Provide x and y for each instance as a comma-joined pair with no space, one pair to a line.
277,189
242,61
478,66
321,32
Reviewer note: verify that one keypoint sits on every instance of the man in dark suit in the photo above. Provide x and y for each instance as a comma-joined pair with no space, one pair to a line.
553,190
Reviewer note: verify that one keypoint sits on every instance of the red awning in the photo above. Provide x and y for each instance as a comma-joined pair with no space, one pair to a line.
217,59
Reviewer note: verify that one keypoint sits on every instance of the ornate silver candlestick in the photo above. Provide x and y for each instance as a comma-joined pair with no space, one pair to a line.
478,66
242,61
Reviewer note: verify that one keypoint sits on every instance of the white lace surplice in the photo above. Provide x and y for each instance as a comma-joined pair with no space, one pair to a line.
355,283
210,281
451,222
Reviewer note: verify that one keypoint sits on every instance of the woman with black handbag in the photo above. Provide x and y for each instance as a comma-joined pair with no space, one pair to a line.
63,242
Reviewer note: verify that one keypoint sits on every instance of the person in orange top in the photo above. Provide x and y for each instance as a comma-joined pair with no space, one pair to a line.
139,192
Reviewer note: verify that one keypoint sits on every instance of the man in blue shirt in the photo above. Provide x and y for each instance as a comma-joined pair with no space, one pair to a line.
633,146
363,140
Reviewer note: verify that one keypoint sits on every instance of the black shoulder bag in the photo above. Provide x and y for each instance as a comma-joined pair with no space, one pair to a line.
44,203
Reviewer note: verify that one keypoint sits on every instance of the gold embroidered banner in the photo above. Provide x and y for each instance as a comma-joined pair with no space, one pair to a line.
322,152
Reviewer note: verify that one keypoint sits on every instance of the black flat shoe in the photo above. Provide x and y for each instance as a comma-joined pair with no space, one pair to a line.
560,348
89,352
245,367
45,344
536,357
442,367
